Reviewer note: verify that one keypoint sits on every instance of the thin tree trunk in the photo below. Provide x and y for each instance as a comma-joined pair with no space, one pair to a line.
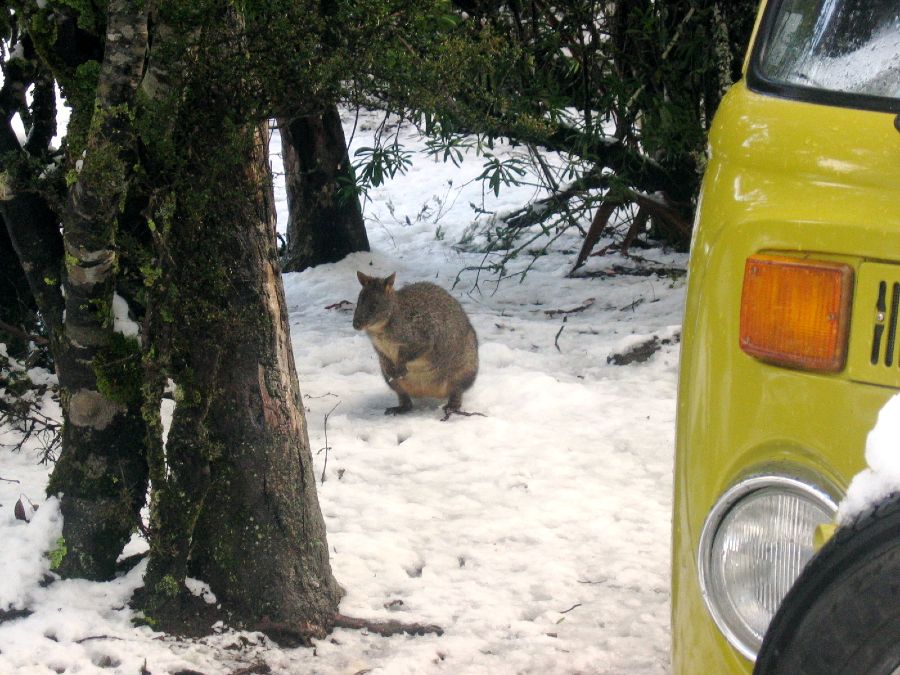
17,303
102,472
323,225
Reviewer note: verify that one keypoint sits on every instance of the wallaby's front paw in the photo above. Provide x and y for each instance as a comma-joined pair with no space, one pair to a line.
397,410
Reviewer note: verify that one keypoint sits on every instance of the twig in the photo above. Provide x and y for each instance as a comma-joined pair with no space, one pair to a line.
583,306
633,305
556,340
9,480
566,611
464,413
98,637
325,465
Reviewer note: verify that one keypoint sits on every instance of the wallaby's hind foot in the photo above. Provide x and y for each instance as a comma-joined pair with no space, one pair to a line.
404,407
397,409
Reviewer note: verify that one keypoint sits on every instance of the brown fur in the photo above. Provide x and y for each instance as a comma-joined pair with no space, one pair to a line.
425,343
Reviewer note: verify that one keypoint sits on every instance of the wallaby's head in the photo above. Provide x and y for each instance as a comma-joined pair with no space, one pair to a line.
375,300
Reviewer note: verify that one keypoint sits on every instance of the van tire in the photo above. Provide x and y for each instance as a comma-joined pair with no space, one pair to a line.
842,615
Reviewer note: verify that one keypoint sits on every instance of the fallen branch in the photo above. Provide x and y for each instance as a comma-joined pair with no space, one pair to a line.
601,218
18,332
583,306
660,208
302,633
259,668
97,637
621,270
638,225
386,628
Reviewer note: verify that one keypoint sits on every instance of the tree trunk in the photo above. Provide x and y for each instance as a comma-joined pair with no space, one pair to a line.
17,304
101,473
239,507
323,225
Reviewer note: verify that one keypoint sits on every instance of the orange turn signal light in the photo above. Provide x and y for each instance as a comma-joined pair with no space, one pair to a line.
796,312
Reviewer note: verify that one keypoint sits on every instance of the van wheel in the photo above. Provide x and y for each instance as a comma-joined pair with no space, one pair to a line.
842,615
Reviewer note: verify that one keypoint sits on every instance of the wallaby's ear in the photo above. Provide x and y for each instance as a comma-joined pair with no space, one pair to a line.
363,279
389,282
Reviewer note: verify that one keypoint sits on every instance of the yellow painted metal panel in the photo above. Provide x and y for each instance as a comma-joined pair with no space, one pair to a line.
798,179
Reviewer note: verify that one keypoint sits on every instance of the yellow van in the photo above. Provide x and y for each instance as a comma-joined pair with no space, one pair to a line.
791,345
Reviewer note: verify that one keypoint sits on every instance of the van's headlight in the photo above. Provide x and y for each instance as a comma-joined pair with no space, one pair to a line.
755,541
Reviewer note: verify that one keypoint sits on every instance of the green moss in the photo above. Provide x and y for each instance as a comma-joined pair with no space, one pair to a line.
145,620
79,88
168,587
119,372
58,553
151,273
89,18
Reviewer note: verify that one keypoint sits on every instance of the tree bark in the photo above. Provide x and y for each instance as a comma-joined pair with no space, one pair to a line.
239,507
323,225
102,472
17,304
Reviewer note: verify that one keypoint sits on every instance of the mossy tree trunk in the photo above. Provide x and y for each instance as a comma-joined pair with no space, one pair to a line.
238,507
324,225
101,474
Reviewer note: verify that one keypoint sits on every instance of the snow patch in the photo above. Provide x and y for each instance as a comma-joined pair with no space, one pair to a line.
27,544
122,321
882,477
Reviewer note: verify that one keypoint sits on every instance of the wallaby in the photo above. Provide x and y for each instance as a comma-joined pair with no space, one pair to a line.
425,343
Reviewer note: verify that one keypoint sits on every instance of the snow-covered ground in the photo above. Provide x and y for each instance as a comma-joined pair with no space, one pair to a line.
536,536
